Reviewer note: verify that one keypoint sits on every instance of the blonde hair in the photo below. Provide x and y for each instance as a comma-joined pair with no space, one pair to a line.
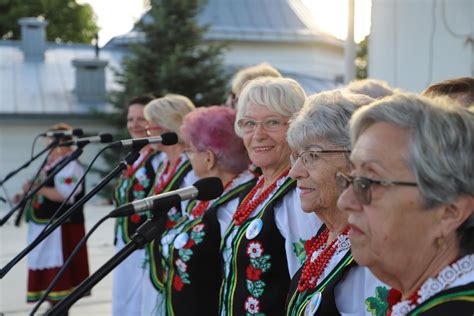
281,95
246,74
169,111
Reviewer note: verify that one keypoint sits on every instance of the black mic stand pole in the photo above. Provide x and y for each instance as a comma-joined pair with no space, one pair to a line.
148,231
75,154
129,159
53,144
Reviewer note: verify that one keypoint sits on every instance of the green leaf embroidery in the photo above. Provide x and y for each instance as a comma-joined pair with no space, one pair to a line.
298,248
378,305
255,288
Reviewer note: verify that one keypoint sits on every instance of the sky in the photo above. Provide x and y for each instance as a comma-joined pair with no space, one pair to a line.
116,17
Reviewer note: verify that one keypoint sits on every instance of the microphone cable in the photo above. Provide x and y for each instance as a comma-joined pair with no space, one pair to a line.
67,263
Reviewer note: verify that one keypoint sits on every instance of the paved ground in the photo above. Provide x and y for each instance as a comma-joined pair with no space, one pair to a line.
13,285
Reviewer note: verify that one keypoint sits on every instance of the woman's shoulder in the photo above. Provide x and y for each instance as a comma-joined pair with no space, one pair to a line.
457,301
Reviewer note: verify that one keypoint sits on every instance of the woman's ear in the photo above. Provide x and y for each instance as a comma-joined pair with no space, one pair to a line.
456,213
210,160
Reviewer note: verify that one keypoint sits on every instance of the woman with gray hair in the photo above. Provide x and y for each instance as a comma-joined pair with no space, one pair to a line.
330,282
410,202
259,245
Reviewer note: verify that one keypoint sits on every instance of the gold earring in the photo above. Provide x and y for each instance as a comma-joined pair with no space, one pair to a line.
440,242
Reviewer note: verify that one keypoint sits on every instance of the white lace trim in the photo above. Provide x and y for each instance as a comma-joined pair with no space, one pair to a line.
445,280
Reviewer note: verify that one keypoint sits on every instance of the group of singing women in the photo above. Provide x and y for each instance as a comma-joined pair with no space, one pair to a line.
355,201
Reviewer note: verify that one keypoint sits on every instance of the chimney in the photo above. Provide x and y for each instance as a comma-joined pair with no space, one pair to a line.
33,38
90,79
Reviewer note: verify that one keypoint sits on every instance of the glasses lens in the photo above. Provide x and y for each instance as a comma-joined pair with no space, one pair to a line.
272,125
342,182
293,158
362,189
246,125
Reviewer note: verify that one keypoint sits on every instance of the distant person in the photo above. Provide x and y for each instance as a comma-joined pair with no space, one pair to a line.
373,88
246,74
48,257
459,89
135,183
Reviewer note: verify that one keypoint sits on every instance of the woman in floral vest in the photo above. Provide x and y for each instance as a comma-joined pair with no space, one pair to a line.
261,247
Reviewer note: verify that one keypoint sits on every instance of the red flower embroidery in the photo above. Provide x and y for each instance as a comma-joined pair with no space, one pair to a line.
135,218
68,180
394,297
189,244
36,205
170,224
177,283
138,187
253,274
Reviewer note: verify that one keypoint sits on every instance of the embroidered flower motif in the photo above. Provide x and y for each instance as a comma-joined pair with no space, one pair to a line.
299,250
344,243
253,274
135,218
198,228
377,305
68,180
177,283
181,265
138,187
189,244
254,249
252,305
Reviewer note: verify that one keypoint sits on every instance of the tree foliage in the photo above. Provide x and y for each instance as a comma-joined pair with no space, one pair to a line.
68,21
361,59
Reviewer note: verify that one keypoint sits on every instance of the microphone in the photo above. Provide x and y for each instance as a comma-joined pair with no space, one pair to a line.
165,139
81,142
204,189
60,133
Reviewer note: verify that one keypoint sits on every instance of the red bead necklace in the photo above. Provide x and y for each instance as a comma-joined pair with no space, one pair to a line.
312,270
249,204
166,176
199,209
131,169
395,297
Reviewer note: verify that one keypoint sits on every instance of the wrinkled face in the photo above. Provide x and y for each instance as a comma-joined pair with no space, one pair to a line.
395,230
315,174
266,149
198,161
136,121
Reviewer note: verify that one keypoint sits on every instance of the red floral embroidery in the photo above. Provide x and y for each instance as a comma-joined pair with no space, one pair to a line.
177,283
253,274
36,205
68,180
189,244
135,218
138,187
170,224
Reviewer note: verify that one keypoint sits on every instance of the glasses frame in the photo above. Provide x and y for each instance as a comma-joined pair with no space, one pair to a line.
362,185
294,160
261,123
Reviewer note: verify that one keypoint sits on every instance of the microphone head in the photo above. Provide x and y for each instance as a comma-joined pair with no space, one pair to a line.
106,138
169,138
208,188
77,132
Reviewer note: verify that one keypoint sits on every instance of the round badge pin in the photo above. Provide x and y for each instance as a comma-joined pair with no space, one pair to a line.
181,240
254,229
313,304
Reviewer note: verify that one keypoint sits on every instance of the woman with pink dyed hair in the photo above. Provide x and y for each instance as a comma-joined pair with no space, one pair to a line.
191,260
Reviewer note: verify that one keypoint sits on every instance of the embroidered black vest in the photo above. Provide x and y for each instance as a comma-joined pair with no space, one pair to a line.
129,189
258,278
193,273
153,248
457,301
298,302
42,208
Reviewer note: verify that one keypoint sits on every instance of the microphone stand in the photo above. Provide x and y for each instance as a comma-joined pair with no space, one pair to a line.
53,144
75,154
129,159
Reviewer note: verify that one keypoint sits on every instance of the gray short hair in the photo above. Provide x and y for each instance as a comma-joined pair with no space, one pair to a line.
325,115
246,74
373,88
441,147
281,95
169,112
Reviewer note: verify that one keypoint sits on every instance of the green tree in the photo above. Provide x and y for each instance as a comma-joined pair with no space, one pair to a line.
68,20
361,59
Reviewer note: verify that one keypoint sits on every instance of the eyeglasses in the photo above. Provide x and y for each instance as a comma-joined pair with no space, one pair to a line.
309,158
362,185
190,153
269,125
148,129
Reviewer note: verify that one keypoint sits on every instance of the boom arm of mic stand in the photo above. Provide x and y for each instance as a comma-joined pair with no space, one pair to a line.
54,143
55,171
122,166
144,234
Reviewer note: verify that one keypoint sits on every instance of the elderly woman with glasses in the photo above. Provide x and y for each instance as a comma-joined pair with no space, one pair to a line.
260,247
410,202
329,283
134,184
191,258
174,171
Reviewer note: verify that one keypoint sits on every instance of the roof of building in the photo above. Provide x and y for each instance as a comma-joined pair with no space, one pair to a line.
47,87
251,20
